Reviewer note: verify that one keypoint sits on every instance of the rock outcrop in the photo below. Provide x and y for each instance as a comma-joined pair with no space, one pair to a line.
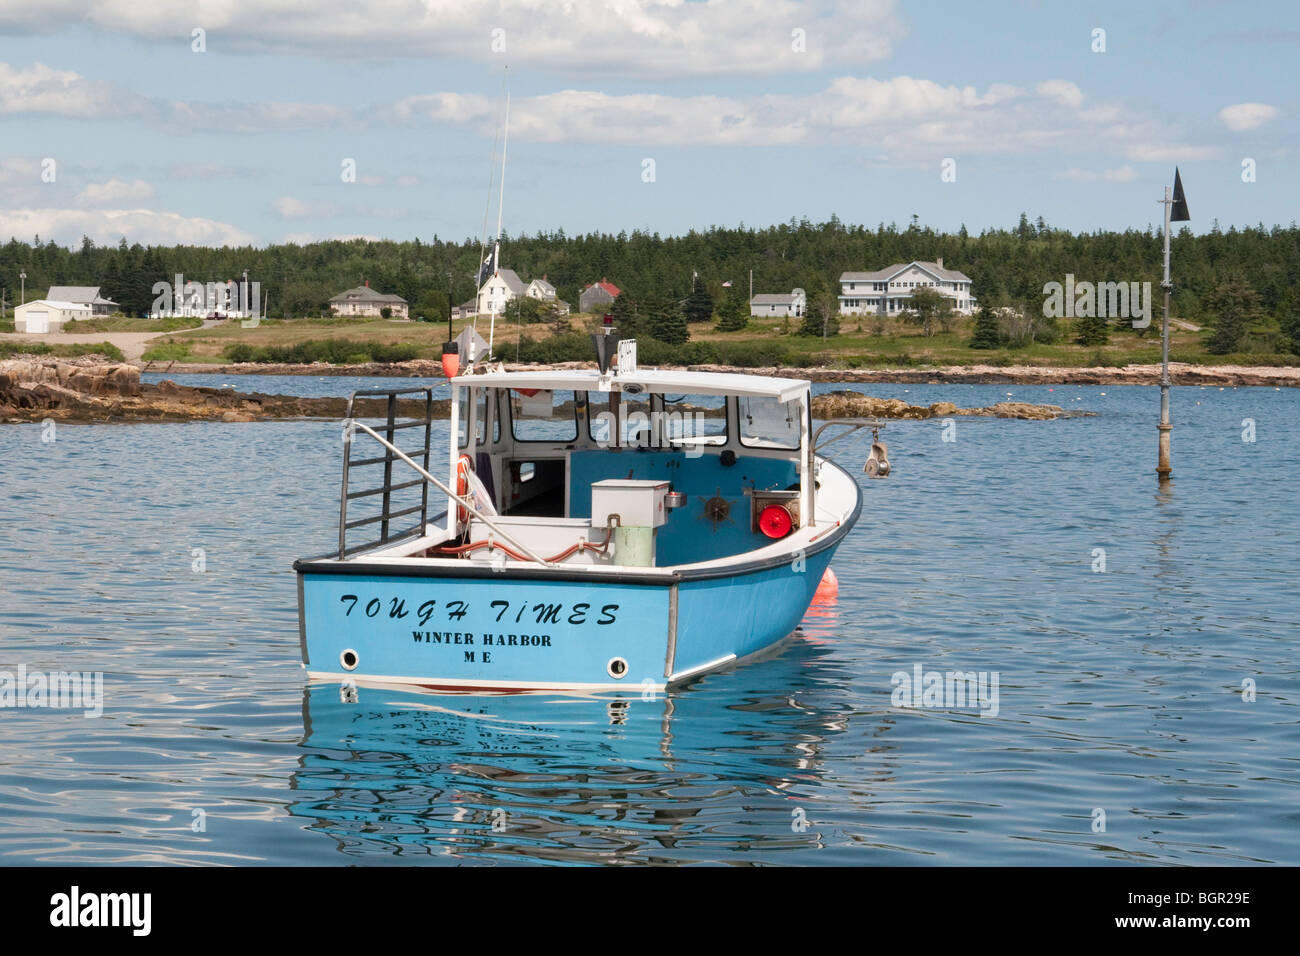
857,405
37,389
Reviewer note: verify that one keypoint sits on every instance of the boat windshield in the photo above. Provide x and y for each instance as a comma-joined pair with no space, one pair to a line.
695,419
768,423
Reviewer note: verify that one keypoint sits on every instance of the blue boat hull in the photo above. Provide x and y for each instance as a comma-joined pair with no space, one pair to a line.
497,632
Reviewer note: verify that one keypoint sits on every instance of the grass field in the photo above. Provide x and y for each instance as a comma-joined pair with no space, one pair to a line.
857,345
119,323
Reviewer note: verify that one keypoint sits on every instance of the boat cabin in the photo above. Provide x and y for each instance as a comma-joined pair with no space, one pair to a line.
700,456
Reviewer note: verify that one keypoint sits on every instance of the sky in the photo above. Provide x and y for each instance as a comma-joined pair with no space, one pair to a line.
228,122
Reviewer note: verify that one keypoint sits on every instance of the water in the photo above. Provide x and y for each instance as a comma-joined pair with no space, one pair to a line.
1119,691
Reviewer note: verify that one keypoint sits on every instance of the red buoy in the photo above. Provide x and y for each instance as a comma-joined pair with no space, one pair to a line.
774,521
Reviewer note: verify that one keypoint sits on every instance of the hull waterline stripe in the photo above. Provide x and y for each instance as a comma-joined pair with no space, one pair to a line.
496,686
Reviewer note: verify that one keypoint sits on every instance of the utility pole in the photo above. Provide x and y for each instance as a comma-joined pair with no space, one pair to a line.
22,276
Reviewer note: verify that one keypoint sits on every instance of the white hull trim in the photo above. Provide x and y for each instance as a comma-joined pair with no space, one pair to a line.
702,668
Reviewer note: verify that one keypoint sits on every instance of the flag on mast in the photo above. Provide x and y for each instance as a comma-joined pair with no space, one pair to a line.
1178,212
487,268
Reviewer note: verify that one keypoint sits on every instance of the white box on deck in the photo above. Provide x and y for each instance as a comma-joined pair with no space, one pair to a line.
638,503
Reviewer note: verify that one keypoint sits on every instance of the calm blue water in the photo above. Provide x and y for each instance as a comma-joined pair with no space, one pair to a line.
1119,691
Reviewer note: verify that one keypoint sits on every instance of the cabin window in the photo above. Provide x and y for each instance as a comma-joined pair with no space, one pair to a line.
545,415
695,419
636,426
462,418
768,423
487,400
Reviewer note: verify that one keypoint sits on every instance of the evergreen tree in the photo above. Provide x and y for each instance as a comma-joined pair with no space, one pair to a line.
699,304
1091,330
986,330
1291,329
1233,304
623,312
666,320
822,316
733,314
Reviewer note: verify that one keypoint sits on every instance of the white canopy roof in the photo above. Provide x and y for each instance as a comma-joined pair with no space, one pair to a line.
668,381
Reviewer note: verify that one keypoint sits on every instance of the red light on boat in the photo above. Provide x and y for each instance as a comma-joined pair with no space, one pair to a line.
450,364
774,521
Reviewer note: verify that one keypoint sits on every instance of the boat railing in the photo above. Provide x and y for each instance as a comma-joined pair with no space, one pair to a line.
392,454
384,487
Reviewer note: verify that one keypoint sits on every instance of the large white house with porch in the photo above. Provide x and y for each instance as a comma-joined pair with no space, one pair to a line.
889,291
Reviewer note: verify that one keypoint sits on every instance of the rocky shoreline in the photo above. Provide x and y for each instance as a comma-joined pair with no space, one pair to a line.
1180,373
40,389
33,390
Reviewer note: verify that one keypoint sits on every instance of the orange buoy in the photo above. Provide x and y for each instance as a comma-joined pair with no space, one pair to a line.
828,588
450,359
463,469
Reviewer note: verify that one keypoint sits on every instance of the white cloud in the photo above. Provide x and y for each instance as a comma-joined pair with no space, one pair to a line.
905,118
287,207
1123,174
1063,91
1243,116
39,89
1170,152
636,37
107,226
115,191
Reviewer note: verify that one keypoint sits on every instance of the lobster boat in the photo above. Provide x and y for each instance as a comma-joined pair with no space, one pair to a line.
589,529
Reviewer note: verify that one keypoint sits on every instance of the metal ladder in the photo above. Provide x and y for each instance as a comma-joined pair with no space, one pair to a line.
386,488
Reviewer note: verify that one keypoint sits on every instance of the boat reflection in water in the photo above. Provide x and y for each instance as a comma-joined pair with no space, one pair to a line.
722,764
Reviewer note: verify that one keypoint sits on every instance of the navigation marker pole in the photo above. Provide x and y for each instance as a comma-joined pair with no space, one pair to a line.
1175,211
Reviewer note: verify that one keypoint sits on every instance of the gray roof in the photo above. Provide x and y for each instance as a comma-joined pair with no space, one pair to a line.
881,275
515,284
545,286
363,293
85,294
773,298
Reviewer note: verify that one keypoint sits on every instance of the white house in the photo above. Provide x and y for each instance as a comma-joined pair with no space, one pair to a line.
889,291
83,295
792,303
48,315
502,286
364,300
543,291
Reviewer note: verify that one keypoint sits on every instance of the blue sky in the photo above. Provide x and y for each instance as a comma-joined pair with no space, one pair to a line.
752,111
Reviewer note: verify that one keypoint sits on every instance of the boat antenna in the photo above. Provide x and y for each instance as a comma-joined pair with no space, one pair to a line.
487,211
496,253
